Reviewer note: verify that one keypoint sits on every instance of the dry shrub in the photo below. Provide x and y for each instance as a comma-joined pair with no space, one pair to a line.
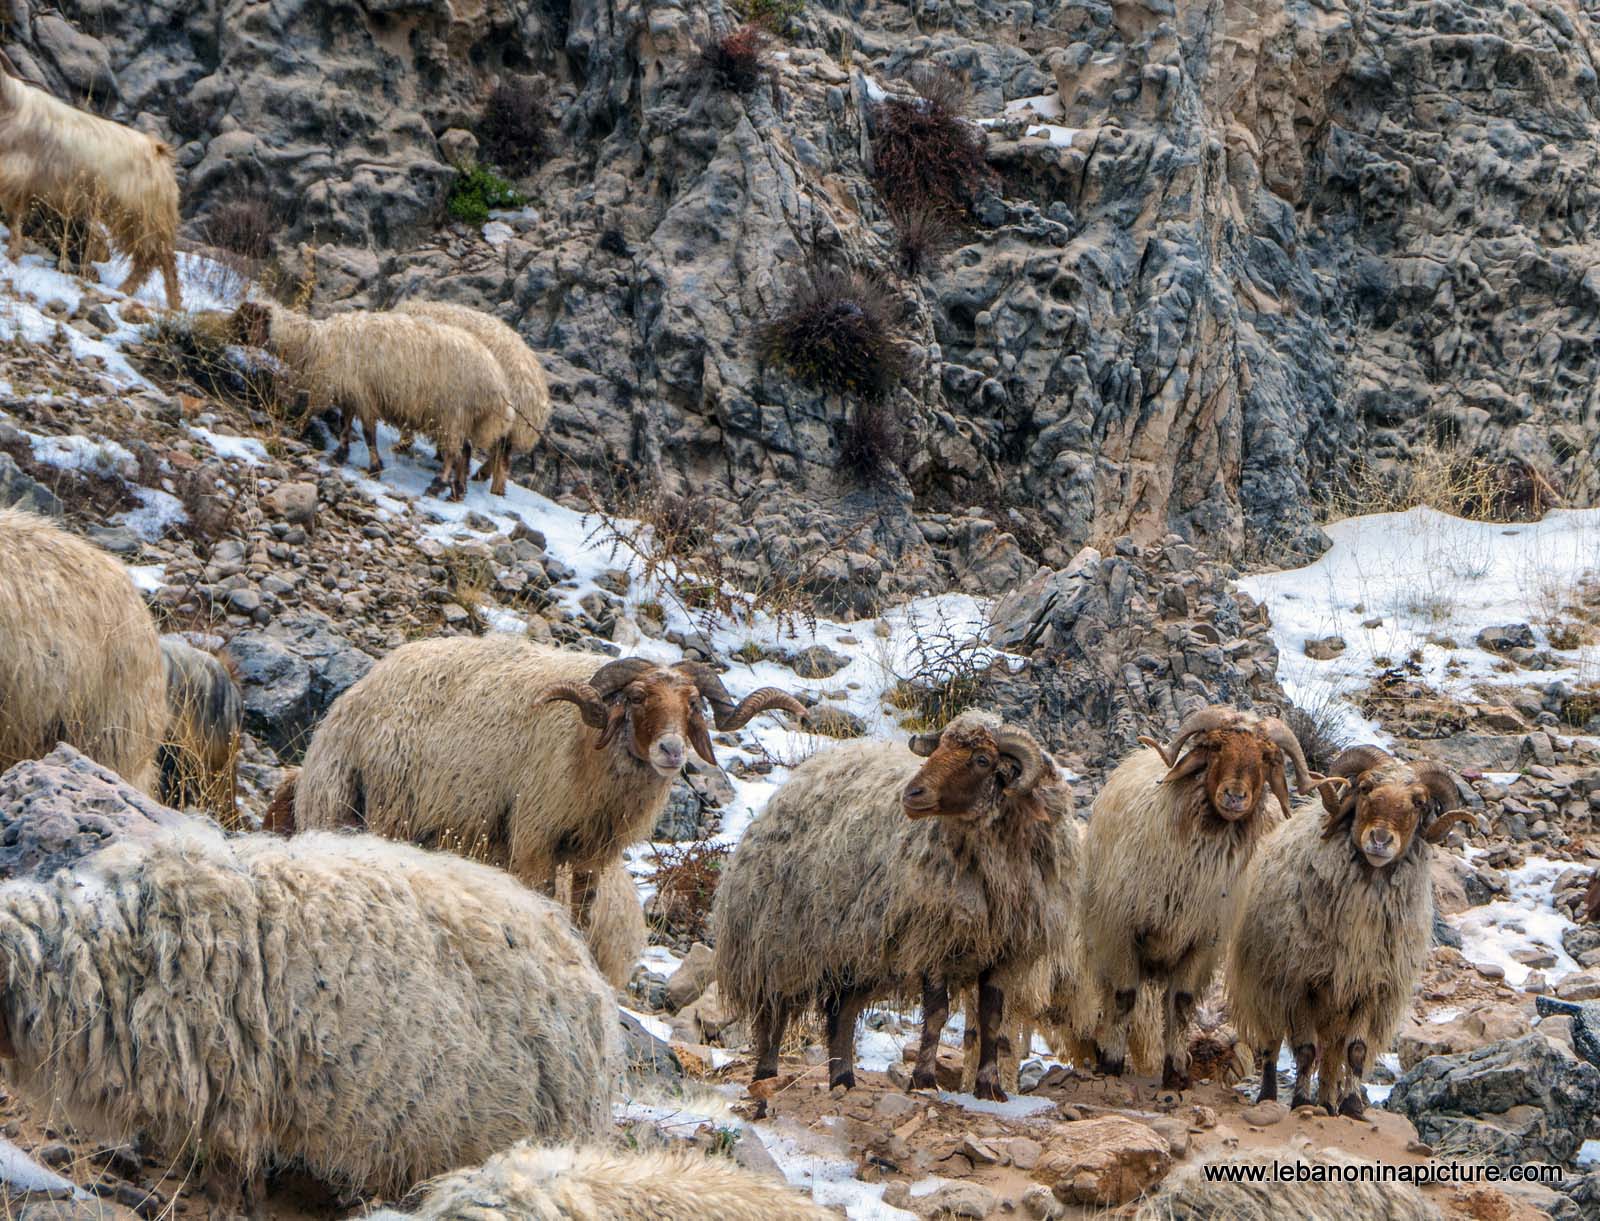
736,60
874,438
924,154
837,334
244,223
949,671
469,577
1319,725
202,350
685,878
76,240
927,233
1452,480
514,129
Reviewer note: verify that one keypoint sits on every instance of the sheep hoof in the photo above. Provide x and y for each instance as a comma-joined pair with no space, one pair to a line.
434,488
1106,1066
1172,1077
1296,1101
924,1079
341,454
988,1091
846,1079
1354,1106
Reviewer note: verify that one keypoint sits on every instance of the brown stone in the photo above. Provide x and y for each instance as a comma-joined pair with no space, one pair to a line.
1104,1161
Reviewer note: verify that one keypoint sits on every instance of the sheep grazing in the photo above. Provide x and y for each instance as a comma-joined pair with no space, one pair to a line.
1169,838
377,1013
1334,924
524,756
527,1183
530,391
408,371
80,660
871,874
199,755
89,170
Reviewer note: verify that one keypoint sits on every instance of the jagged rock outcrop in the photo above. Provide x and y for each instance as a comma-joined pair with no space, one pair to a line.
1260,243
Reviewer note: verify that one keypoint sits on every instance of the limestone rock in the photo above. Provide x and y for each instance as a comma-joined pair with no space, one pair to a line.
1104,1161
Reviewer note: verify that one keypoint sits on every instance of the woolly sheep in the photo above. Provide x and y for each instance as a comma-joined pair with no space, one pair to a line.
1169,838
530,391
524,756
615,932
870,874
92,170
527,1183
80,661
1334,924
1204,1192
385,366
205,715
378,1013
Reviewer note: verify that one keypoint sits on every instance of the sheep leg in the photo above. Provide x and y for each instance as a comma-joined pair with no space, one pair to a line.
770,1023
935,1013
991,1013
1268,1058
369,431
1175,1065
169,278
347,424
14,241
1354,1103
501,461
1111,1047
458,476
584,885
841,1010
1305,1057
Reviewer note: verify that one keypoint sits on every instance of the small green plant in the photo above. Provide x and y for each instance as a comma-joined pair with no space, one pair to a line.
476,191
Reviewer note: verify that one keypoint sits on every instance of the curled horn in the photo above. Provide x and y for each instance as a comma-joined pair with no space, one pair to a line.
1440,827
1441,785
615,675
591,707
725,714
924,744
1019,744
1283,738
1351,762
1196,722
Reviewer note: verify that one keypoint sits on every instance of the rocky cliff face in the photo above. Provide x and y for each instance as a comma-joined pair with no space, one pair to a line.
1259,242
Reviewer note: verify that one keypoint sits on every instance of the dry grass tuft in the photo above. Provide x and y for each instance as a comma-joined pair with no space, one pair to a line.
836,334
924,153
736,60
685,878
514,129
949,671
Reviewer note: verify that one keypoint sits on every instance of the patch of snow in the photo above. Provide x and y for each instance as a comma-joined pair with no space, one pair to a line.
875,91
497,233
830,1180
1440,1016
1589,1153
20,1173
148,578
877,1049
248,450
1012,1108
1527,920
1040,106
1378,1093
204,283
659,961
653,1025
1054,134
499,619
90,455
158,514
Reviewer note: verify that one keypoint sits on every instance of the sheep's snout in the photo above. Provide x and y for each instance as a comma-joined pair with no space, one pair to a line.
919,799
667,753
1379,845
1234,802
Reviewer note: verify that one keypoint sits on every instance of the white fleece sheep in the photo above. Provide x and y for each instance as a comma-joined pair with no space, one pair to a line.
408,371
1334,925
528,1183
80,661
379,1013
530,391
89,169
872,874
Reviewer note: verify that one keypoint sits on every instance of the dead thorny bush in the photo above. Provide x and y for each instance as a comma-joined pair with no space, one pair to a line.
836,333
927,232
874,438
948,670
514,129
1319,725
924,153
685,877
245,223
736,59
202,350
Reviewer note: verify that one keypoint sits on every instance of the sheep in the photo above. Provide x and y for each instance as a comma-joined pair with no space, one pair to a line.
80,660
592,1183
872,875
90,170
615,932
408,371
1169,838
199,756
468,743
1320,1186
1334,923
378,1013
530,391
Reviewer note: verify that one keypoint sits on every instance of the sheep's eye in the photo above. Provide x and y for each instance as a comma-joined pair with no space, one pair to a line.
982,762
635,697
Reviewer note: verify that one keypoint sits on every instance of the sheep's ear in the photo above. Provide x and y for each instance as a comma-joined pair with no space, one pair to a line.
1338,817
1440,827
700,739
1197,760
924,744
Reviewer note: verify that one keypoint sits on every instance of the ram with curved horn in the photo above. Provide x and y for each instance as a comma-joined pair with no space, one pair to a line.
880,872
524,756
1335,922
1169,838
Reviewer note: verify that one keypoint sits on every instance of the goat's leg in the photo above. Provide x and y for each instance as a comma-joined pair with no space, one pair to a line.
1354,1102
770,1021
458,477
1305,1061
501,462
991,1013
1118,987
1267,1057
841,1009
935,1012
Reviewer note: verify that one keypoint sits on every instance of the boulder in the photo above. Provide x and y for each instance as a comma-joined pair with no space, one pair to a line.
1512,1102
1103,1161
691,978
290,674
1490,1023
22,491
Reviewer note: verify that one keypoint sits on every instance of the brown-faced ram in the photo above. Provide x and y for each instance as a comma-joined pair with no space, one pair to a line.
524,756
870,875
1168,841
1334,924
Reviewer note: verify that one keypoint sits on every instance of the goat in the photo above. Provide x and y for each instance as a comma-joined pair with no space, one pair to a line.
1334,924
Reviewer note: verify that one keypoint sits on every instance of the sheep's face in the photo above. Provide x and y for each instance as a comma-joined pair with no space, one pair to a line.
1390,805
661,718
1240,764
971,770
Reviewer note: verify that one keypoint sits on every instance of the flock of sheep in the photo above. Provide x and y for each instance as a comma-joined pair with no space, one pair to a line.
382,1014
